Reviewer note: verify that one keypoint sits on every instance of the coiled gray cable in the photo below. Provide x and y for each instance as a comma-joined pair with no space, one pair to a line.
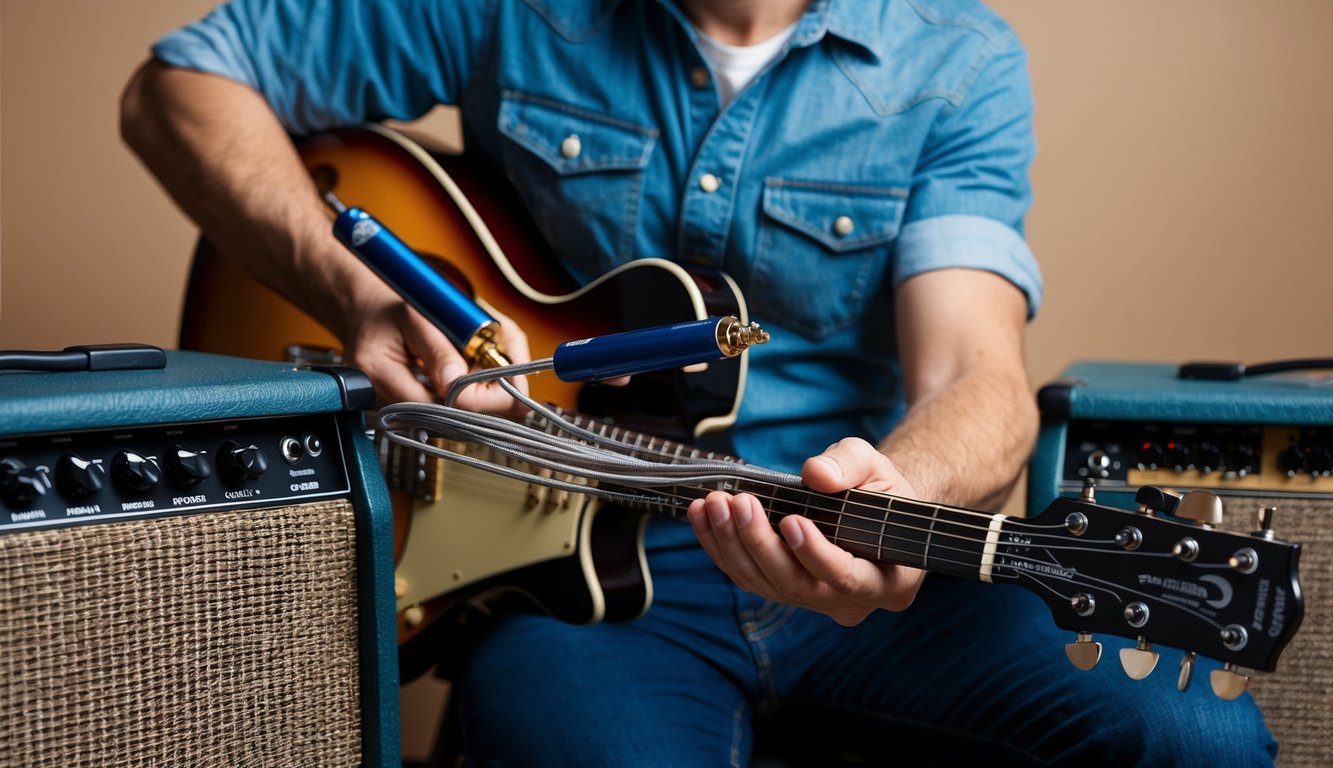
588,460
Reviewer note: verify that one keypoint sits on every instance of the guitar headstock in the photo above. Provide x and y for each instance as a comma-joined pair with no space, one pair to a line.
1158,578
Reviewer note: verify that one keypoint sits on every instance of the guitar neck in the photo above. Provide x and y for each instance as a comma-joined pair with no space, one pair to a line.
892,529
875,526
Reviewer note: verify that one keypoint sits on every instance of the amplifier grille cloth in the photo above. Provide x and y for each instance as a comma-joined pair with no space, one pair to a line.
201,640
1297,699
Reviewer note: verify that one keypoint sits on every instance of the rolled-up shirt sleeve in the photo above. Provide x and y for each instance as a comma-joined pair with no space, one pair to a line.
322,63
970,191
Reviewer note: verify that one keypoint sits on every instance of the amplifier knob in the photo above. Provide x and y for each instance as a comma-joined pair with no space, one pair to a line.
1099,464
1240,461
1319,460
135,473
188,467
1207,459
237,463
1179,456
1150,456
1291,460
20,485
76,477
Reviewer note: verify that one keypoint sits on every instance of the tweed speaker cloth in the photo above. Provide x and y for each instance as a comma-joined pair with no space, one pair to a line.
1297,699
225,639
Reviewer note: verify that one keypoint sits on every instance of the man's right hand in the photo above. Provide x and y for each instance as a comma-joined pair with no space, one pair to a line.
222,154
392,342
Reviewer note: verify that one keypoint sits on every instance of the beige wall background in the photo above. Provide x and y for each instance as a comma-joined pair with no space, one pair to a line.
1184,184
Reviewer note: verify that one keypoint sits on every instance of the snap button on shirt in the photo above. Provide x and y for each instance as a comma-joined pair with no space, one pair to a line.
699,77
571,147
709,183
843,226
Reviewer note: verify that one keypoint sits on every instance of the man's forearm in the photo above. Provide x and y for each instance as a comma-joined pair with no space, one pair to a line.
966,443
225,159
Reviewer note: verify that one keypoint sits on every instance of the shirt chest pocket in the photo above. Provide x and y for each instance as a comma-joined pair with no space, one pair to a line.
822,253
581,175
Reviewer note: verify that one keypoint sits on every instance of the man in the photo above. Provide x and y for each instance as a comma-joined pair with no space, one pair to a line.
861,170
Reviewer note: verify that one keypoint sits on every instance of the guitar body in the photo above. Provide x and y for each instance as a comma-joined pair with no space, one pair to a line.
458,534
476,233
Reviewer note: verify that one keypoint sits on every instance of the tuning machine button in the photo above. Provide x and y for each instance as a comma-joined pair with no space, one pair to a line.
1265,531
1139,662
135,473
187,468
238,463
1151,499
1186,671
1228,683
1084,652
20,485
1203,507
77,478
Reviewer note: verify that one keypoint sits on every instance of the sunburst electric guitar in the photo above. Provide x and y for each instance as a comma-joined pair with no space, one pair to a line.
477,235
461,534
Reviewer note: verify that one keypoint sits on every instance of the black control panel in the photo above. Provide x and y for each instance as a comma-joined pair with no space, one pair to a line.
1292,459
97,476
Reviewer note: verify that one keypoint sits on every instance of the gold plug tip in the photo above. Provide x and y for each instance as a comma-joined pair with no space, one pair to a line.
734,337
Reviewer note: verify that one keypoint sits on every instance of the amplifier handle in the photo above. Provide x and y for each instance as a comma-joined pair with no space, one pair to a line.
1219,371
88,357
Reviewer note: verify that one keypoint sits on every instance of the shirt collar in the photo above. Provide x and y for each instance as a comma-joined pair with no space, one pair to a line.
845,19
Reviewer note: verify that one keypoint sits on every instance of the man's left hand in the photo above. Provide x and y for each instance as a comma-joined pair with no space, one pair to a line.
801,566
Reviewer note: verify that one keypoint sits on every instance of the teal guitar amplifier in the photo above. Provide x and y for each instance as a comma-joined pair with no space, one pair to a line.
195,568
1257,442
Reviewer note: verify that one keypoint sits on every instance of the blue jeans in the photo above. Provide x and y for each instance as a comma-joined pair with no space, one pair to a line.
681,685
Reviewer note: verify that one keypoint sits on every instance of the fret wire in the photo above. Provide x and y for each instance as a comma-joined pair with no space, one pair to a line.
783,513
852,498
969,566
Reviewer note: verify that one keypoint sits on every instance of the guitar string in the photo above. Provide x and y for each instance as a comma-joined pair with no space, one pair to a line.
559,420
501,435
924,556
636,498
507,434
601,443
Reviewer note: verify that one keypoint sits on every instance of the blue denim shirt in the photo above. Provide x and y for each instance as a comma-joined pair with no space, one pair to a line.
911,118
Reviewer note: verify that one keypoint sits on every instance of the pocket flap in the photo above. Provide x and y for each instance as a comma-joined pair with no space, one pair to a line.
573,140
838,216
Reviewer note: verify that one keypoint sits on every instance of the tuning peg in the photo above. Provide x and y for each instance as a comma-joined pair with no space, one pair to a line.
1203,507
1138,662
1151,499
1265,523
1228,682
1089,492
1186,671
1084,652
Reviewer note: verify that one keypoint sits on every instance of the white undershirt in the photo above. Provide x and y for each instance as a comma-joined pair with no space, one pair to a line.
736,65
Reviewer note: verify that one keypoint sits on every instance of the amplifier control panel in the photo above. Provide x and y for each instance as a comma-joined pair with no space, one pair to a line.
95,476
1223,457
